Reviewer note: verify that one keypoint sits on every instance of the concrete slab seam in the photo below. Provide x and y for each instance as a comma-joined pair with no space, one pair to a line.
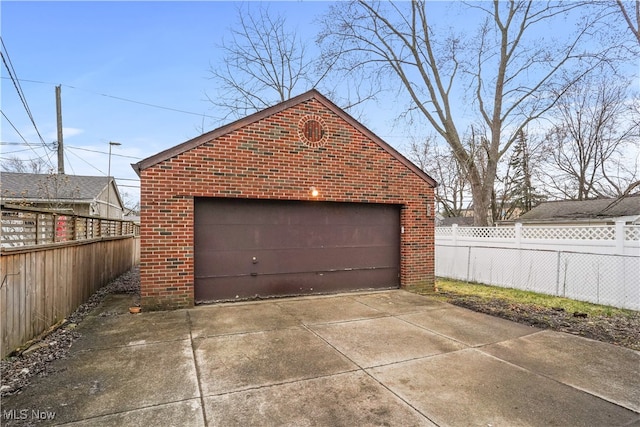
111,414
129,345
427,357
280,383
400,397
424,328
364,370
383,364
335,322
457,340
231,334
541,375
195,364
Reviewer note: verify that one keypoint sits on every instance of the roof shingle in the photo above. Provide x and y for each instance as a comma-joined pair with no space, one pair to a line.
30,186
584,209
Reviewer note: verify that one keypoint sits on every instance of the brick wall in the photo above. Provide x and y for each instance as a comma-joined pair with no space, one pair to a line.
266,160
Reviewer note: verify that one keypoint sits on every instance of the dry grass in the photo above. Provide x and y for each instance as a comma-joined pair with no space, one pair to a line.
599,322
486,292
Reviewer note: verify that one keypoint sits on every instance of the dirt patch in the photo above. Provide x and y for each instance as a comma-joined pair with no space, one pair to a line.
35,358
618,329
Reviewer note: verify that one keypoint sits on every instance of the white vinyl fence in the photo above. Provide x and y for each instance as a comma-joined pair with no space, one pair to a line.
599,264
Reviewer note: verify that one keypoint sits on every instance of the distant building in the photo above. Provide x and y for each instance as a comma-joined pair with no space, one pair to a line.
587,212
448,221
75,194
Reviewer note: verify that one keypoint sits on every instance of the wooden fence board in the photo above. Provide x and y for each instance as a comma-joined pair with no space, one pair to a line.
3,305
17,295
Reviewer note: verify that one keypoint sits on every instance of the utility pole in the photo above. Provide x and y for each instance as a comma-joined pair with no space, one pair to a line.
59,121
111,144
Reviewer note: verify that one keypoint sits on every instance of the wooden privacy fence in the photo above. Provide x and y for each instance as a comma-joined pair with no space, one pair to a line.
45,282
26,227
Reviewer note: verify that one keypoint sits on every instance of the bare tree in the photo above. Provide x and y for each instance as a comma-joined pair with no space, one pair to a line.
130,203
630,10
57,190
510,69
595,125
264,63
452,193
16,164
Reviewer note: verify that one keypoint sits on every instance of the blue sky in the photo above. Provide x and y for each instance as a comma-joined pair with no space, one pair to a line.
150,52
156,53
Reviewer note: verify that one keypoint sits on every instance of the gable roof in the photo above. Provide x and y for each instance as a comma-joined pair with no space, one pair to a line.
312,94
584,209
29,186
466,221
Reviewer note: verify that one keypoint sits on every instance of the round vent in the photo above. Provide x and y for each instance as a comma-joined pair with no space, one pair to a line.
312,131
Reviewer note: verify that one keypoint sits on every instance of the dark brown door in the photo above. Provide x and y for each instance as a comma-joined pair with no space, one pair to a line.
261,248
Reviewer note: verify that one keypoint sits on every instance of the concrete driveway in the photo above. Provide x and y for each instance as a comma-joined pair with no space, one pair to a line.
380,358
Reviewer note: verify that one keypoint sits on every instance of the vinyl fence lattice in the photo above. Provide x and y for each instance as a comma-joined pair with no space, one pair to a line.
570,233
632,233
487,232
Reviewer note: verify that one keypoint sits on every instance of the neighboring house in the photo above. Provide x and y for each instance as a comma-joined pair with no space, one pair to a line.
78,195
296,199
448,221
585,212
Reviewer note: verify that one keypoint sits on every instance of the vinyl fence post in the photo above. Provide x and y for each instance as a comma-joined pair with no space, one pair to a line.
518,235
558,255
620,237
454,234
468,263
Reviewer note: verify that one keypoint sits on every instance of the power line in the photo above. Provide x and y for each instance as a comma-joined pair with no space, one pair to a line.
75,148
103,152
15,159
25,140
68,162
101,172
119,98
16,83
16,151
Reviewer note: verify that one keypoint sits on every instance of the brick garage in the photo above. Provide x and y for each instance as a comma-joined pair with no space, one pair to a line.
298,198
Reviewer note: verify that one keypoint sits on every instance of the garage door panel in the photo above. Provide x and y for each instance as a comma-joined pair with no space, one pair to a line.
234,288
274,261
251,236
297,246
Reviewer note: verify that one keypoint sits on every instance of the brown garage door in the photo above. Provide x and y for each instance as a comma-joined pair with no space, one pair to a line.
259,248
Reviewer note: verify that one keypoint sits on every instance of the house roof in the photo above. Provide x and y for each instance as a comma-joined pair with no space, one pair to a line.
459,220
312,94
29,186
628,206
